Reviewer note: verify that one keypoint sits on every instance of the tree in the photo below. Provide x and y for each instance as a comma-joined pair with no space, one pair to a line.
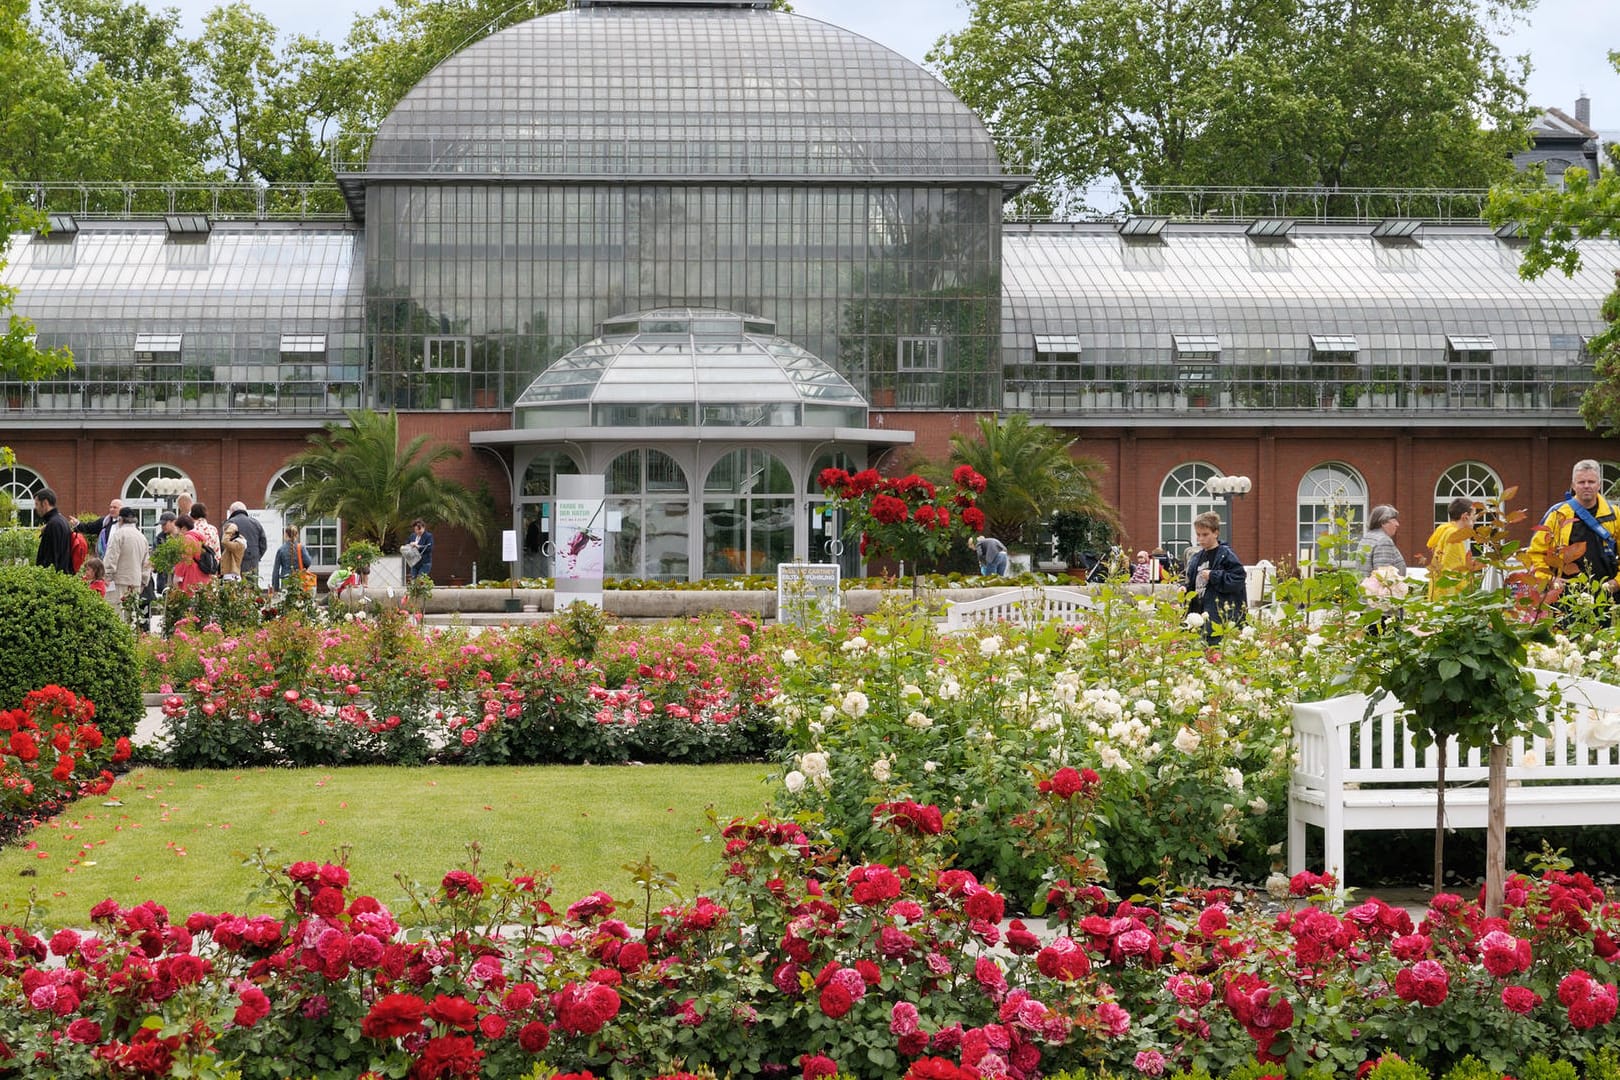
357,473
1553,223
99,91
20,357
1032,471
1127,93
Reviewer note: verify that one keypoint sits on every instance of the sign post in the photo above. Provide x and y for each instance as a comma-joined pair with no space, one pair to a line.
807,593
509,553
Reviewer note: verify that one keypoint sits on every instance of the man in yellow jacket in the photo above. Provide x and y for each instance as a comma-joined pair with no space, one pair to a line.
1449,551
1584,517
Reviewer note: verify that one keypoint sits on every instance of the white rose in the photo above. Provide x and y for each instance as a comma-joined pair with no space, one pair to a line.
789,656
1233,778
1110,758
827,713
919,720
855,704
989,646
950,690
1143,707
1258,806
930,766
1187,740
1315,641
815,768
1193,621
817,728
1247,633
880,770
794,782
854,645
911,692
1277,886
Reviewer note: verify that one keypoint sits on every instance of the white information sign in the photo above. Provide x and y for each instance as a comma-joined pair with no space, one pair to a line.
807,593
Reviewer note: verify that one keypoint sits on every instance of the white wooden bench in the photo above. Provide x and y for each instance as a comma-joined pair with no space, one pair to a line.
1355,772
1020,605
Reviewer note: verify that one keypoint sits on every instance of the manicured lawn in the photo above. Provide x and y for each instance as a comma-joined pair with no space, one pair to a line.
183,838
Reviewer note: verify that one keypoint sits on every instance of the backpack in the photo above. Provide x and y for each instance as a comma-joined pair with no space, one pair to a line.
207,561
78,551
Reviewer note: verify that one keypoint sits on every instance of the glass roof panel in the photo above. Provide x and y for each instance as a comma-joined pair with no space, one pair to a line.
685,91
748,369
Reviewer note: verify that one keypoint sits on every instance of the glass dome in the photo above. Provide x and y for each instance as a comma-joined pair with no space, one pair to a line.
689,90
689,367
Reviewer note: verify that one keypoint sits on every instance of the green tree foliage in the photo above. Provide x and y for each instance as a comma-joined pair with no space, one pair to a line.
20,357
1126,93
97,91
1031,471
1553,223
53,629
357,472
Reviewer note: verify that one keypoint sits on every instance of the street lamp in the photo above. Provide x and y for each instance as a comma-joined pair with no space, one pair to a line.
1228,488
169,488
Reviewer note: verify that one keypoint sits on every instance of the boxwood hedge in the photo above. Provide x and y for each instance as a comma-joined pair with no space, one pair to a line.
53,629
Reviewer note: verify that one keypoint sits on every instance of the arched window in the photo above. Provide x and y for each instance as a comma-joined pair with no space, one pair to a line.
137,493
1183,497
19,483
747,515
1471,478
1611,480
537,505
649,492
1328,494
322,538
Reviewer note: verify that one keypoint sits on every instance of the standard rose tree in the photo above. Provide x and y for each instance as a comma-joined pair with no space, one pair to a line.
907,518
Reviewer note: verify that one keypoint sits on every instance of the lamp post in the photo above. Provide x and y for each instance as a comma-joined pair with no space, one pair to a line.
1227,489
168,488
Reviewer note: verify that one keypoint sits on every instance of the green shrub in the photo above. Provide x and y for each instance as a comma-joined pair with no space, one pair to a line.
18,546
53,629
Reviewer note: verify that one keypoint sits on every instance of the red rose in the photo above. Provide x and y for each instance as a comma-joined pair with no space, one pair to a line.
84,1031
973,518
534,1037
255,1006
394,1015
447,1055
454,1012
460,883
835,1000
889,510
1520,999
327,902
817,1065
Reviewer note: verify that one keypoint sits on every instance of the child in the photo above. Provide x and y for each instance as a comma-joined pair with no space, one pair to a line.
94,573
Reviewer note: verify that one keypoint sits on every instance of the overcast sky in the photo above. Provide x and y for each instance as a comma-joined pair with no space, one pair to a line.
1567,40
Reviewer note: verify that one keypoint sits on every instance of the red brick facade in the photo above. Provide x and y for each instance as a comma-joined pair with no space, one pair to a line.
89,466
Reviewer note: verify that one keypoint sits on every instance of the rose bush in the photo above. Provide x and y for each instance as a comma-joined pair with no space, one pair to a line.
51,752
804,963
383,690
1190,743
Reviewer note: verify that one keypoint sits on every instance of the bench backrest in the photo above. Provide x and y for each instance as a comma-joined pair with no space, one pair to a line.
1336,742
1018,605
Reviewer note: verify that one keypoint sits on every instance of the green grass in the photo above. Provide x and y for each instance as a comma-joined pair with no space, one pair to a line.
182,838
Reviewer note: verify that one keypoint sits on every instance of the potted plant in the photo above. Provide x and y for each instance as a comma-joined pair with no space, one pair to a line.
359,557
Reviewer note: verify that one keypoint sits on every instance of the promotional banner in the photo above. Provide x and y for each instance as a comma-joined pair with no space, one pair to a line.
580,537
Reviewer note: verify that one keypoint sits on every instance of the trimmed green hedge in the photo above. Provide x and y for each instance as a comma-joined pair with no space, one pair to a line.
54,629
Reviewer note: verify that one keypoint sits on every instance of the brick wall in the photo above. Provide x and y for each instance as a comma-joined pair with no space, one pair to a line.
1400,466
